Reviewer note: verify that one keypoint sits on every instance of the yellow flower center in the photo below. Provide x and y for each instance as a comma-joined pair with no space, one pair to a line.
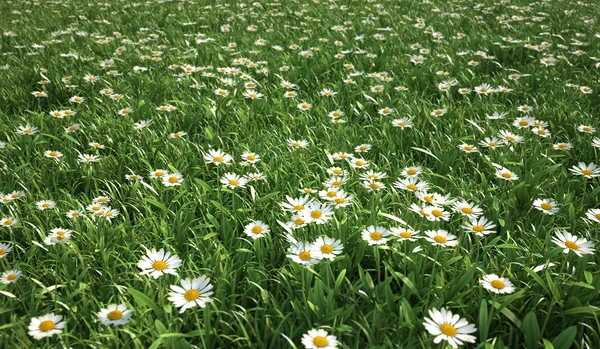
299,221
440,239
8,222
251,157
510,138
586,172
2,252
53,153
541,132
562,145
45,204
467,210
337,171
363,147
234,182
546,206
336,182
331,194
597,215
437,213
411,187
402,123
523,122
257,229
316,214
468,148
159,173
326,248
376,235
11,277
506,175
115,315
340,200
191,295
173,179
47,325
304,255
27,131
492,144
320,342
359,163
298,207
587,129
159,265
571,245
448,330
478,228
411,171
438,112
405,234
499,284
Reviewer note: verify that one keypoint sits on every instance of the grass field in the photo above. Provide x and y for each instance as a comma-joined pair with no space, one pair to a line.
299,174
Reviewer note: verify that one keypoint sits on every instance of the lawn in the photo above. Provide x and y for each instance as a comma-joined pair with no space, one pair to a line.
299,174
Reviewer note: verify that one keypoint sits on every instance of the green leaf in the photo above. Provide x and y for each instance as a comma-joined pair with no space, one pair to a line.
141,299
531,331
565,339
484,321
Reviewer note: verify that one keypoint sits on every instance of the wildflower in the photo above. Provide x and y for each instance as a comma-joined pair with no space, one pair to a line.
191,293
172,179
217,157
480,226
588,171
303,253
441,237
46,326
547,206
569,242
10,276
319,339
375,235
233,180
449,327
327,248
256,229
496,284
114,315
158,263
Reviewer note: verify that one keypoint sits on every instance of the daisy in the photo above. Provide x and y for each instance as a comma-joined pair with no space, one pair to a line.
542,132
191,293
319,339
297,143
358,163
484,89
468,148
524,122
76,99
569,242
172,179
88,158
251,157
5,249
405,234
133,177
449,327
586,129
375,235
337,171
506,174
46,326
335,181
385,111
58,236
45,205
295,204
317,212
588,171
496,116
496,284
178,134
10,276
8,221
436,213
411,184
362,148
256,176
547,206
341,199
27,130
413,171
217,157
327,248
525,108
509,136
402,123
252,94
342,156
372,175
467,209
256,229
304,106
114,314
441,237
563,146
298,221
233,180
53,154
480,226
74,214
336,114
303,253
592,214
438,112
158,263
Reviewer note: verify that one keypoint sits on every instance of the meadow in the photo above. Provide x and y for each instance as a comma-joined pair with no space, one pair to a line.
299,174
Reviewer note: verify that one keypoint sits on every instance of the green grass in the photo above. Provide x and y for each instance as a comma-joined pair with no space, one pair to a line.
367,297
